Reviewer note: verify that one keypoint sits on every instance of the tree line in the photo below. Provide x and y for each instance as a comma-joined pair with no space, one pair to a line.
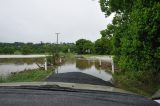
82,46
37,48
100,46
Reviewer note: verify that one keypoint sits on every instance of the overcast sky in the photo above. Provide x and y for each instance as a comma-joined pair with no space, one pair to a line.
39,20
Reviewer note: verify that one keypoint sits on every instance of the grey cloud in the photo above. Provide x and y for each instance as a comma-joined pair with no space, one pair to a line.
38,20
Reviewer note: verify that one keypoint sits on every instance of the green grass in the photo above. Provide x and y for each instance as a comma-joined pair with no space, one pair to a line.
26,76
67,55
89,55
141,83
93,55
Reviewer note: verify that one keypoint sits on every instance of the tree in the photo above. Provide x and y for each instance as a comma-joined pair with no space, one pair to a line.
84,46
26,50
102,46
8,50
135,36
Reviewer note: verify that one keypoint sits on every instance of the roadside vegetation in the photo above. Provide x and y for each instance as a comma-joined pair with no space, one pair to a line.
134,36
26,76
142,83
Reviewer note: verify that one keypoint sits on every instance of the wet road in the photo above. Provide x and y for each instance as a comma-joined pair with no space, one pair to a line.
77,77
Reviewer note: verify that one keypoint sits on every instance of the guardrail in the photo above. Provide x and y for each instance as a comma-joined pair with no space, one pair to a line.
22,56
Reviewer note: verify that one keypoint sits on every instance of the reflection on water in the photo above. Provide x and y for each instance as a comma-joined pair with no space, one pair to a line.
86,66
82,64
6,69
78,65
8,66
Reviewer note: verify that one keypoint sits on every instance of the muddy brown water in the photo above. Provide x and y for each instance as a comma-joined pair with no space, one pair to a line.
7,66
91,67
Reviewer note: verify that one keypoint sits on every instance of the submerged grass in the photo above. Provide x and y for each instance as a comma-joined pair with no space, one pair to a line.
27,76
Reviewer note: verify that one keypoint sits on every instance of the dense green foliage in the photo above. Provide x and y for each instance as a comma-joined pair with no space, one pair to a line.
84,46
30,48
135,36
26,76
136,30
102,46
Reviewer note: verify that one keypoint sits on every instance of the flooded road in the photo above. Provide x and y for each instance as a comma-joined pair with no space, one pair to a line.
90,67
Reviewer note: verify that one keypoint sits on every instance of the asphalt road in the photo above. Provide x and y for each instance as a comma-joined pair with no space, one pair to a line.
35,97
59,96
77,77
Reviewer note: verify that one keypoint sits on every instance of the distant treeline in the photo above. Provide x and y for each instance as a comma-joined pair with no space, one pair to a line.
31,48
101,46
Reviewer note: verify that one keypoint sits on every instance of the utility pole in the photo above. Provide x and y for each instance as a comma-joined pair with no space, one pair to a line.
57,51
57,37
57,42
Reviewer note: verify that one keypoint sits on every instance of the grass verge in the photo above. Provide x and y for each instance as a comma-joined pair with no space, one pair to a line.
26,76
92,55
67,55
142,83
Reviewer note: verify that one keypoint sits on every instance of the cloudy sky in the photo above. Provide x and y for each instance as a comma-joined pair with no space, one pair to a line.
39,20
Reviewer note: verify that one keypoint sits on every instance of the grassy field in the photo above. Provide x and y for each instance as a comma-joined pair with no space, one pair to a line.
88,55
68,55
93,55
26,76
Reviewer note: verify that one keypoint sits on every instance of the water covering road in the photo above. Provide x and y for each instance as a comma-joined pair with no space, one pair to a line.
86,66
20,63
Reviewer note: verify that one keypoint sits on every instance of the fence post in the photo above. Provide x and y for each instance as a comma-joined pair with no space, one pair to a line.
100,63
45,63
60,60
112,62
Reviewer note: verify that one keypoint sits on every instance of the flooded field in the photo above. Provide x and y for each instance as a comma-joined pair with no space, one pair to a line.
8,66
88,66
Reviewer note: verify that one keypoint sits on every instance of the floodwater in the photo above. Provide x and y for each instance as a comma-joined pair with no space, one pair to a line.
90,67
7,66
